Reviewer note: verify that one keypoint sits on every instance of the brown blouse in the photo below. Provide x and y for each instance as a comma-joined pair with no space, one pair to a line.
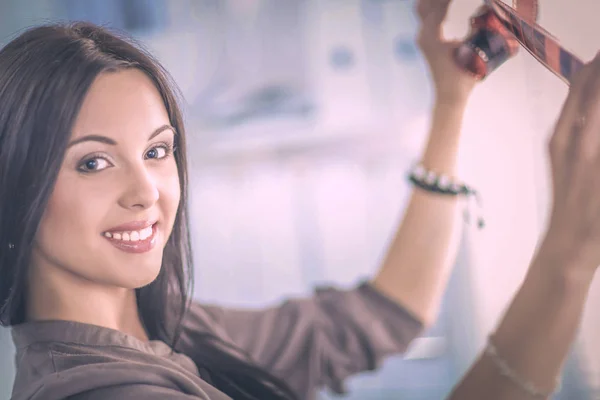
311,343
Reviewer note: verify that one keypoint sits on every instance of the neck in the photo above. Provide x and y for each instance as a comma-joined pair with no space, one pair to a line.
58,294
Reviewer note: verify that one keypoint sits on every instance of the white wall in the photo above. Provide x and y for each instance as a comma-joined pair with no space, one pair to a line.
577,28
508,124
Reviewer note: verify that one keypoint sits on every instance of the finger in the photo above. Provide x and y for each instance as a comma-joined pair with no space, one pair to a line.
423,7
587,128
569,113
432,17
570,121
564,142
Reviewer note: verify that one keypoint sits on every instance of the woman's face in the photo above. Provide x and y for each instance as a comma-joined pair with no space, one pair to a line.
116,197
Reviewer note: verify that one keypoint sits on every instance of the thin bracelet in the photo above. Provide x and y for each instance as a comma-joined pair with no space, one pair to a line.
433,182
513,376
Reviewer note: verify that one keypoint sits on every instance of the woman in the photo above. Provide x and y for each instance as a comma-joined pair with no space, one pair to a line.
96,254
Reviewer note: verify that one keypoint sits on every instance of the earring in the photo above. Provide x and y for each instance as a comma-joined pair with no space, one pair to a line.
11,246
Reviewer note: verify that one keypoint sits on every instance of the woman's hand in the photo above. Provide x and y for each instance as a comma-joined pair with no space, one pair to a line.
415,272
451,83
574,228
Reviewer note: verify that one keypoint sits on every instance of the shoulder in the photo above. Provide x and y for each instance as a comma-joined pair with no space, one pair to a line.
57,389
137,392
60,370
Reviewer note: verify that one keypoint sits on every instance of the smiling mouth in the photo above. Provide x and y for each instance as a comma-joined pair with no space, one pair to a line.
139,241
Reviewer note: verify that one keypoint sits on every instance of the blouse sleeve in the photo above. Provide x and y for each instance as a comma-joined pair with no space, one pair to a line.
135,392
313,342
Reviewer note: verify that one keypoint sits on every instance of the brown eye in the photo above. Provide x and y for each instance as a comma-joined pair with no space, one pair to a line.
91,164
94,165
158,152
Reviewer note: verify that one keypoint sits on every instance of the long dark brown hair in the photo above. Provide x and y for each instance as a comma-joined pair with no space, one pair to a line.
45,74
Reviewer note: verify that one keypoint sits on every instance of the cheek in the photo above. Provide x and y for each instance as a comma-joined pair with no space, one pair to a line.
72,217
170,192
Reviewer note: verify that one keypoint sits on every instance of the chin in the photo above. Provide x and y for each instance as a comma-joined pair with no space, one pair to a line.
145,278
139,276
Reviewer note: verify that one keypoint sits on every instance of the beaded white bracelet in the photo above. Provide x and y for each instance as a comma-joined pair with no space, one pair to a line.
429,180
434,182
513,376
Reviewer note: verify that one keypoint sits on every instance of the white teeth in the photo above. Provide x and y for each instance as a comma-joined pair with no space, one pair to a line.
132,236
146,233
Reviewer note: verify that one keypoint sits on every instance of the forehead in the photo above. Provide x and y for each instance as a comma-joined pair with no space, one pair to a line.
125,101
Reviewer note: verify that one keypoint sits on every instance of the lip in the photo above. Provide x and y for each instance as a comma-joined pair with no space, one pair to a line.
139,246
132,226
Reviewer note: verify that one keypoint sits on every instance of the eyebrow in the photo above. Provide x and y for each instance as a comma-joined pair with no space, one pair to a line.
112,142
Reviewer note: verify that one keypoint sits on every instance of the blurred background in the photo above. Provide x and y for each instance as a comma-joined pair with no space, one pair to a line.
303,117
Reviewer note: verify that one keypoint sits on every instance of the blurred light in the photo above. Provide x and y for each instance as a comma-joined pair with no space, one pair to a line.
342,57
405,49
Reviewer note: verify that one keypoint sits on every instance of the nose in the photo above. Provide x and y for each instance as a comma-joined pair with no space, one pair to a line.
141,191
